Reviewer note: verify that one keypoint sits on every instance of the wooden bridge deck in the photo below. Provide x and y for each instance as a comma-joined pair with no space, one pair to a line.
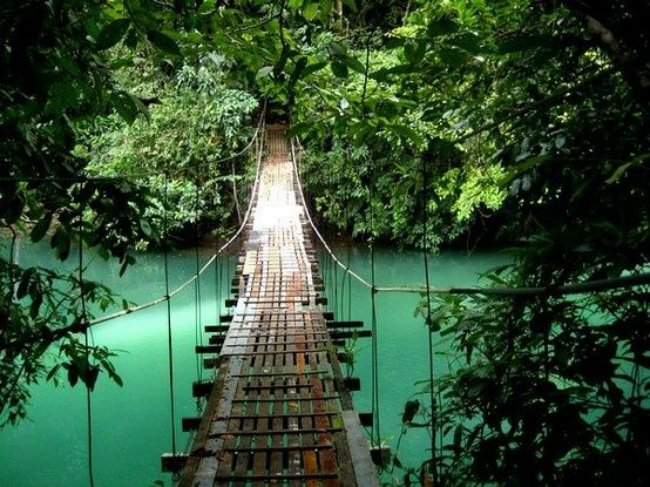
278,411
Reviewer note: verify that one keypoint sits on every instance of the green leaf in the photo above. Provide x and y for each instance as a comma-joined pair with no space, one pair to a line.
128,260
408,132
522,167
13,209
414,52
411,408
23,286
622,169
458,436
141,107
125,105
90,377
131,40
294,5
282,61
339,69
351,4
336,49
112,33
355,65
73,374
310,11
313,68
41,228
525,43
325,9
53,372
468,42
146,227
61,243
452,56
300,128
207,7
383,73
442,26
262,72
35,307
297,70
117,379
164,42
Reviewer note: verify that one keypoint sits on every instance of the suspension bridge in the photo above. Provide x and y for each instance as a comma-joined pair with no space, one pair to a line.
279,408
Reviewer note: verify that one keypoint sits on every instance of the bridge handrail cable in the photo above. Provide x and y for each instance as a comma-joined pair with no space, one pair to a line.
599,285
162,299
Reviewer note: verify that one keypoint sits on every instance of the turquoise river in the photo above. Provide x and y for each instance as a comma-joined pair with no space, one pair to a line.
131,424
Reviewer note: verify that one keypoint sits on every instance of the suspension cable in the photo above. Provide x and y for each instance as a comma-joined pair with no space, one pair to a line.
503,291
596,285
81,179
221,249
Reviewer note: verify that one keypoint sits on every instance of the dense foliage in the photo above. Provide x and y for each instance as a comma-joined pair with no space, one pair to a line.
98,104
423,123
181,151
532,119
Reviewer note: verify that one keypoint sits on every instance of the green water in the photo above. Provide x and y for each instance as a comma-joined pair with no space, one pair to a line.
131,425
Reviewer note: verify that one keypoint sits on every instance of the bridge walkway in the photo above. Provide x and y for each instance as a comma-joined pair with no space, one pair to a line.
278,411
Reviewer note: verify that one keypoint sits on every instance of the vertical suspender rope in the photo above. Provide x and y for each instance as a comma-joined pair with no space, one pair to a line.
341,308
170,353
198,336
425,250
341,315
228,274
326,277
375,352
221,281
335,278
84,318
349,284
217,290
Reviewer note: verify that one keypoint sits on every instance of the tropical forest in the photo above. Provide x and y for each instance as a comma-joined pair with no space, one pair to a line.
324,243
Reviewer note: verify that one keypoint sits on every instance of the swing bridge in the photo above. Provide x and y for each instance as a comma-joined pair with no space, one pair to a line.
279,408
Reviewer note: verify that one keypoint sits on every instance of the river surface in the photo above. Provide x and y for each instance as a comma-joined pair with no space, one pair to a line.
131,424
